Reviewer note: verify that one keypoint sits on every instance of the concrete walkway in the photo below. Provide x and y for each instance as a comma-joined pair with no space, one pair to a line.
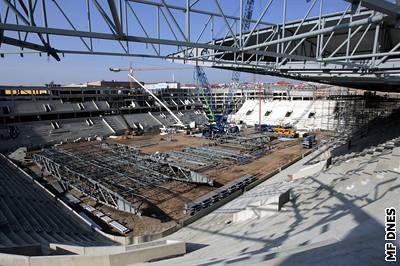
336,219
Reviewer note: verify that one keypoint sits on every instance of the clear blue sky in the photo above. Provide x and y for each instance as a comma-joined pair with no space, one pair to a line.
32,69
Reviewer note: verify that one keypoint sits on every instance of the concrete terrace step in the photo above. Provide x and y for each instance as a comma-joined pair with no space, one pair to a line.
369,168
116,123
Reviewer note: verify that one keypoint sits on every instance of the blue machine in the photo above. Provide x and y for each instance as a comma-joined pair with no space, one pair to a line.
219,121
309,141
265,127
205,92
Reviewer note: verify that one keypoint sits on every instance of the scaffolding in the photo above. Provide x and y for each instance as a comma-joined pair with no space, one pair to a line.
354,110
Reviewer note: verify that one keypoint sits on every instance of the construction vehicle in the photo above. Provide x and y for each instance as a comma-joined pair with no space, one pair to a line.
278,130
205,92
302,134
212,130
265,127
309,141
285,132
218,123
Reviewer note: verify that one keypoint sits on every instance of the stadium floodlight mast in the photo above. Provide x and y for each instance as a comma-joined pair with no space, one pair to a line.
130,75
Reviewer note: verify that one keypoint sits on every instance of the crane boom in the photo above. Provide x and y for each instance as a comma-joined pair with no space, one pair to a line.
131,77
206,93
248,13
179,122
150,69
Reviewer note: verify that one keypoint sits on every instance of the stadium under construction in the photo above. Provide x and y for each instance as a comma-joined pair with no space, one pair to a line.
299,171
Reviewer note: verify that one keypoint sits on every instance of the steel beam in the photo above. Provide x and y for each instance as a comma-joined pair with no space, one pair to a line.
274,49
374,19
114,13
383,6
196,11
84,184
28,45
31,22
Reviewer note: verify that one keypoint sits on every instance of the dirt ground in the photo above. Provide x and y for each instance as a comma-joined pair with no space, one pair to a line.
222,174
169,209
260,167
159,143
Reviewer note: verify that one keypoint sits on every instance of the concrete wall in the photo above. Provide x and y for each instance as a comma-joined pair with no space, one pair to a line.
99,256
14,260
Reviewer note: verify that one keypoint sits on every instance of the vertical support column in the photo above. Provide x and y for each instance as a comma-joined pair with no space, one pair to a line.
126,24
348,40
212,37
376,42
45,19
257,41
187,24
321,41
89,22
158,28
282,46
30,13
319,48
121,15
241,24
277,45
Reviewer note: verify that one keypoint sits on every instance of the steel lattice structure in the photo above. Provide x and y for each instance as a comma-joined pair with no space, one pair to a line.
116,175
356,47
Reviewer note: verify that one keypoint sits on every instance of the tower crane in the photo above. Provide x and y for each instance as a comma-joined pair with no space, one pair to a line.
248,13
130,70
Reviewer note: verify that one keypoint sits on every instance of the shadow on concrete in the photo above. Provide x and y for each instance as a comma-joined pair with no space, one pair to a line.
190,247
363,245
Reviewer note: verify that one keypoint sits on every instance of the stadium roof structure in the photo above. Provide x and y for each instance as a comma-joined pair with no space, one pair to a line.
356,47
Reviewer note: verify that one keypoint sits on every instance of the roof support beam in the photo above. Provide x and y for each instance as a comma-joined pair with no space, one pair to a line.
194,11
373,19
114,13
233,35
383,6
173,20
32,23
29,45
